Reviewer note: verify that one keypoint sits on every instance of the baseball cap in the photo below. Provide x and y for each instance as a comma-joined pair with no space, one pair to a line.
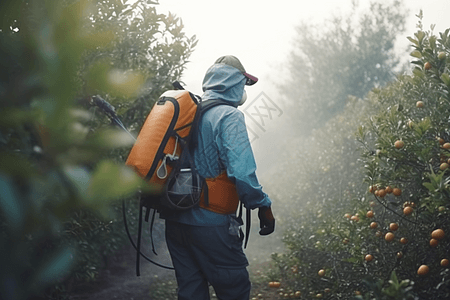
234,62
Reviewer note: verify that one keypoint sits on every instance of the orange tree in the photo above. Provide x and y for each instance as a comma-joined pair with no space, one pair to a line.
60,167
409,137
359,56
376,222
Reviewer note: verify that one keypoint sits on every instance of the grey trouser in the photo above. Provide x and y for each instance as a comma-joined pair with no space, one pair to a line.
207,254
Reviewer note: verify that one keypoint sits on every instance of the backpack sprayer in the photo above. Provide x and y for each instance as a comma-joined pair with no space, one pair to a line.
163,158
110,112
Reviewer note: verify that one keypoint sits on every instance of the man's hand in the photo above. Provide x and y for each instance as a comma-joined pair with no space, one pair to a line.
266,220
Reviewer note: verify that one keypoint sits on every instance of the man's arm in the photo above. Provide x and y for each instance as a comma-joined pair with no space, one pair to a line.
236,154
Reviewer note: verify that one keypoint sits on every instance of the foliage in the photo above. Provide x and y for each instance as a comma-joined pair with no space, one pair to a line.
60,169
331,228
347,56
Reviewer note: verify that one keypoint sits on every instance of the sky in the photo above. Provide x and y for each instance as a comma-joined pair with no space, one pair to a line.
260,32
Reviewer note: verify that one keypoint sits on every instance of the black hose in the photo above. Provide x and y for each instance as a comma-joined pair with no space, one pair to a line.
133,243
109,110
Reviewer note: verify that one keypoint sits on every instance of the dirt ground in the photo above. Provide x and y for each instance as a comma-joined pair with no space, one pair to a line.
119,280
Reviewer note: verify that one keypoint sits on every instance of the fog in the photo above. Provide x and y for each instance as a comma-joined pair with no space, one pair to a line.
261,34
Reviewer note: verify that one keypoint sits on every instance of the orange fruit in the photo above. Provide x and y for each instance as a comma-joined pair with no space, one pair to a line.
434,243
397,192
275,284
370,214
423,270
399,254
321,272
345,241
427,65
393,226
389,236
399,144
381,193
408,210
438,234
441,55
446,146
373,225
368,257
443,166
420,104
388,189
297,294
445,262
404,241
354,218
440,140
348,216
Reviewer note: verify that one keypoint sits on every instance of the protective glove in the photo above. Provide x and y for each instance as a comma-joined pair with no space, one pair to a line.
266,220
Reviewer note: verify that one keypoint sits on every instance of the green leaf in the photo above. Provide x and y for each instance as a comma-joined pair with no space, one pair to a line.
16,165
110,139
433,42
10,203
116,82
445,78
416,53
418,72
429,186
13,117
415,42
55,268
111,181
420,36
79,177
394,278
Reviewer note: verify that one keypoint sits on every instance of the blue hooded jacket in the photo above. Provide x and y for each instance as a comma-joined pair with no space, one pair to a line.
223,144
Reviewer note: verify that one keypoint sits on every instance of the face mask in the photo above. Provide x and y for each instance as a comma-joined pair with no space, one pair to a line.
244,97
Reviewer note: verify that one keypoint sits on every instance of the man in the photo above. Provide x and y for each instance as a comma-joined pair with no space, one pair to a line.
205,242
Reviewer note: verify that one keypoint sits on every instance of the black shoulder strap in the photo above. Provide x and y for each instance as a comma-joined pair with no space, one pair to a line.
203,106
206,105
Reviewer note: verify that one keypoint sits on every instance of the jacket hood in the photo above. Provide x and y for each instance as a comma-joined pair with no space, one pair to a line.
223,82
